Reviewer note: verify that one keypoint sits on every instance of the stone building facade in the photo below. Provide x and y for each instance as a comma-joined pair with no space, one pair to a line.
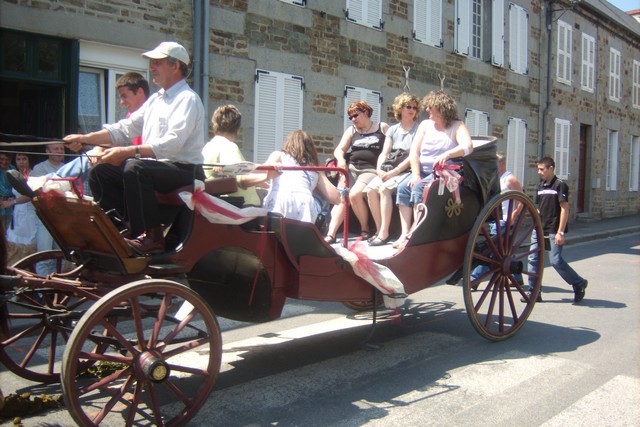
499,59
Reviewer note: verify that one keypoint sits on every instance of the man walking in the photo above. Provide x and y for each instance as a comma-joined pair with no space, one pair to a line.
552,198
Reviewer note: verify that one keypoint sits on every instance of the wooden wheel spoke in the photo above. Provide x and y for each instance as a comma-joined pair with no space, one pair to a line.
135,401
155,407
178,393
117,396
162,312
137,320
118,336
179,327
32,351
22,334
100,383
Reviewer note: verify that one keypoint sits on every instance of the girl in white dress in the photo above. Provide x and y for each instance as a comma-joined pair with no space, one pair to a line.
291,193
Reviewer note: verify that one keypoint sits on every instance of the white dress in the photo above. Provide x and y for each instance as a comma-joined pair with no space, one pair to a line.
21,233
291,193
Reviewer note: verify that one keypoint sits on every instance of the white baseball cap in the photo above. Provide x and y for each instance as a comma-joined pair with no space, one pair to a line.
166,49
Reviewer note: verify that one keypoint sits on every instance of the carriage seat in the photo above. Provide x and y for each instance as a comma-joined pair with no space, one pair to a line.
213,186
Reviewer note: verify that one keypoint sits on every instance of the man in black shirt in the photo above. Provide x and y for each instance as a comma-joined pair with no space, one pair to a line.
552,198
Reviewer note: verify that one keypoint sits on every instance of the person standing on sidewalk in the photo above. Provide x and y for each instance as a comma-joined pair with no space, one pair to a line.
552,198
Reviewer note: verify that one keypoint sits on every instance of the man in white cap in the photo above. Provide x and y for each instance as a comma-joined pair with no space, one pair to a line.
171,123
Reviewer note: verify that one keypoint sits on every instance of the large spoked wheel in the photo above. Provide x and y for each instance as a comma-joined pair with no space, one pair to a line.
36,321
164,352
494,264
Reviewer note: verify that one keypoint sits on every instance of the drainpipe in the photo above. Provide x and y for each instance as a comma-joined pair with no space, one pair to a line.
201,54
547,103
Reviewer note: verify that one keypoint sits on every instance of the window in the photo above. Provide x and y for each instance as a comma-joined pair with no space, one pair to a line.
497,33
91,100
371,97
563,69
561,151
587,79
612,161
100,67
614,75
635,91
516,140
634,167
518,37
477,122
278,111
427,22
465,27
365,12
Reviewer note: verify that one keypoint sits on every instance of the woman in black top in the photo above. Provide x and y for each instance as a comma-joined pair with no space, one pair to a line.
360,147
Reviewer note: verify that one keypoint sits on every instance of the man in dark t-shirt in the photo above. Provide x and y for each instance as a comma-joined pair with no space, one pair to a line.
552,198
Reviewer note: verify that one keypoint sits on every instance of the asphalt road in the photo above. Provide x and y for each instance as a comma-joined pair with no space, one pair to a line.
322,365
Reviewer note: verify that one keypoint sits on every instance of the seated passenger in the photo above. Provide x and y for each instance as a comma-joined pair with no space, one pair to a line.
222,149
292,191
438,139
393,164
361,145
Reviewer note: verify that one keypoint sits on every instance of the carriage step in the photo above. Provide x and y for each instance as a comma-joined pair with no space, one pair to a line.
165,267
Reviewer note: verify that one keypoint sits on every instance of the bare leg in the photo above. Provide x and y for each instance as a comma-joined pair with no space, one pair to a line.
386,211
337,217
406,217
373,198
360,209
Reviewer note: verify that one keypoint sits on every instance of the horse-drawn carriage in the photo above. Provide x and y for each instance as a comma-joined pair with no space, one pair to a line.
109,306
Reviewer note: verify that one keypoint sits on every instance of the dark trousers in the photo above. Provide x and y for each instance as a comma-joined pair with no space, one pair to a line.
130,189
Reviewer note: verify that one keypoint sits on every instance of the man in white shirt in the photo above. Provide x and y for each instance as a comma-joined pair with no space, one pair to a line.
171,123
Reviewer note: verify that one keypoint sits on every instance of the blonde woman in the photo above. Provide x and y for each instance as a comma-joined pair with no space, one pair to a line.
393,164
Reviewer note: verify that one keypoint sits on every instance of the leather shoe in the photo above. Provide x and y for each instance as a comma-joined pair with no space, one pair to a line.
539,299
379,242
579,291
149,242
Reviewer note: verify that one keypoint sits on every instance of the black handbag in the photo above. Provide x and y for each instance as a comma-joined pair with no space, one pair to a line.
394,158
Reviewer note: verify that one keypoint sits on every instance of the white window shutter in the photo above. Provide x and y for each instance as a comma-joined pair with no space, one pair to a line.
463,26
497,33
477,122
427,26
518,39
516,142
278,111
561,149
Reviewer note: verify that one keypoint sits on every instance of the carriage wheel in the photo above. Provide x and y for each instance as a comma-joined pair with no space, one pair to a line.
165,352
493,299
36,322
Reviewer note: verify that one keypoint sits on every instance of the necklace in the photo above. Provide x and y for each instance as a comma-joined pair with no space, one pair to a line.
367,130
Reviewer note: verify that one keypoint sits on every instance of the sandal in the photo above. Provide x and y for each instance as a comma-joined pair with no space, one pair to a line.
330,239
379,242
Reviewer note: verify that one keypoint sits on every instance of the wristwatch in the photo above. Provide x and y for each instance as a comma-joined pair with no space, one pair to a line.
561,233
137,152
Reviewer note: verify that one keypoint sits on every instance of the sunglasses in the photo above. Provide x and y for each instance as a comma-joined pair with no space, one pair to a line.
411,107
354,116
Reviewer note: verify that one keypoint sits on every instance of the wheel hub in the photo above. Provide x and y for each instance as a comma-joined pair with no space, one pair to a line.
152,367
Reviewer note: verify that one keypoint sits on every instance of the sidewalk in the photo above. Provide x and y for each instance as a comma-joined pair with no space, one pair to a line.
584,231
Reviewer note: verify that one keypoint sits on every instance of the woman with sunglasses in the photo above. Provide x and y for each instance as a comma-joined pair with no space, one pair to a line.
360,147
393,164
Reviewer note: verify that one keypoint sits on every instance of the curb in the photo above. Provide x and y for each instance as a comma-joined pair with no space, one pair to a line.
602,234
